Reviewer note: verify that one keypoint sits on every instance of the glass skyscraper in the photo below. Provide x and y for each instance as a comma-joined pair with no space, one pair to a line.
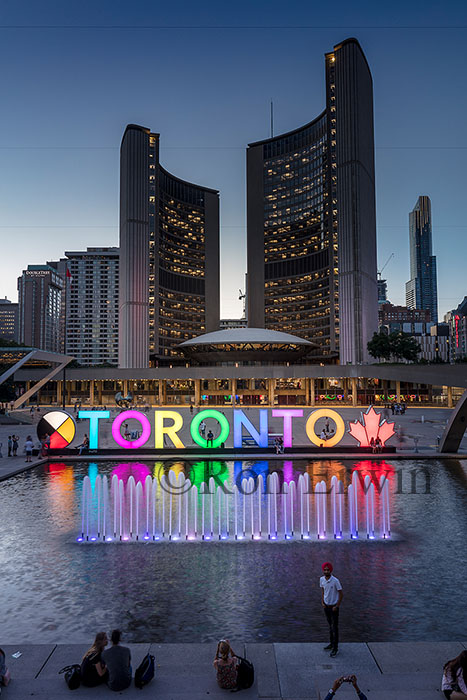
311,225
421,290
169,255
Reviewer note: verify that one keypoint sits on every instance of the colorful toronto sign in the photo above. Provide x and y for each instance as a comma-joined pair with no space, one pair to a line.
167,424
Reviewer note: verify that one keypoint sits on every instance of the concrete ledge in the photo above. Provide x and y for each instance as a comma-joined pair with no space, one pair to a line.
283,671
409,657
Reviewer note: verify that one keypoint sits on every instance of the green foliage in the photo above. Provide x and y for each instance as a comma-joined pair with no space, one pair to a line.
404,346
379,346
5,343
401,346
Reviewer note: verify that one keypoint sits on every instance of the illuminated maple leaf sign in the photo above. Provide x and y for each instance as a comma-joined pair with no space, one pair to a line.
370,427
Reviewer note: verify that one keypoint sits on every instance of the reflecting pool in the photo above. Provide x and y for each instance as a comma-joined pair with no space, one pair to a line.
55,589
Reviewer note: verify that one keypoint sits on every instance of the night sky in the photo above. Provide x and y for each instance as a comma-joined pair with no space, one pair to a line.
202,74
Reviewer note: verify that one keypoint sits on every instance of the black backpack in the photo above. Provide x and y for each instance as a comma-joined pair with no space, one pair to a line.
145,671
245,674
72,676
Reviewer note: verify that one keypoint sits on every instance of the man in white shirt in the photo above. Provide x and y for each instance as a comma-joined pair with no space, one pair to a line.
331,598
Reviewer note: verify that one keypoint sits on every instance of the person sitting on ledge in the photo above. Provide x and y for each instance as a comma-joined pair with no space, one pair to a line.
118,662
93,671
454,682
5,676
226,664
345,679
84,447
210,439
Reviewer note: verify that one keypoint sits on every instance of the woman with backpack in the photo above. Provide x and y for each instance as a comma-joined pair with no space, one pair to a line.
226,663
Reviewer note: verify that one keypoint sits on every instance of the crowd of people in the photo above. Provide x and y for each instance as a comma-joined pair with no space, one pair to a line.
398,409
13,446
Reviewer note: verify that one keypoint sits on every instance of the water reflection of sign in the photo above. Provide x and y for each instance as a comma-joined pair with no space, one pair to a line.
166,426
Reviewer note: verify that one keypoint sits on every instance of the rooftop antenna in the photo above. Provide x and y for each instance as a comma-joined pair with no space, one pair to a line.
272,118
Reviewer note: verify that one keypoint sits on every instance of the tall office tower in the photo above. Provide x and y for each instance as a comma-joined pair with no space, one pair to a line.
8,320
40,289
90,310
421,290
169,255
311,220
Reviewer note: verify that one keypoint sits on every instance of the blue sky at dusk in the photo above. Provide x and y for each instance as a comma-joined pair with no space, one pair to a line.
68,93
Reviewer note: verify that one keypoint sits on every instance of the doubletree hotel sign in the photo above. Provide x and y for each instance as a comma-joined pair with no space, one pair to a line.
166,425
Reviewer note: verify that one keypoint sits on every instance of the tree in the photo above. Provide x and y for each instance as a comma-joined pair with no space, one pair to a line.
5,343
379,346
404,346
401,346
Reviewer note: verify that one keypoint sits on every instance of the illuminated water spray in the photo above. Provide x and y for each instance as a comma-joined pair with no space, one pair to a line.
172,508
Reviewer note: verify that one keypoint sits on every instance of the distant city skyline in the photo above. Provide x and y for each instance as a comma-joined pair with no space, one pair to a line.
66,108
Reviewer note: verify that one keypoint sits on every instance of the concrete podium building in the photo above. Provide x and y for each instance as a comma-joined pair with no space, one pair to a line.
311,225
169,255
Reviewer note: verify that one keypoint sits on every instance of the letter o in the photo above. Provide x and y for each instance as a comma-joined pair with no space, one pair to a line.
325,413
128,444
217,415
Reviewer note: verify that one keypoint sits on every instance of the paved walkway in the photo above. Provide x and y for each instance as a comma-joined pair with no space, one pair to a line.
385,671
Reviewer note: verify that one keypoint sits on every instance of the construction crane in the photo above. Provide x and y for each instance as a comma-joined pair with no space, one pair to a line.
241,296
380,272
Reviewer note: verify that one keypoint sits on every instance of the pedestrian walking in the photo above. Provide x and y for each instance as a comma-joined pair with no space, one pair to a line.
14,439
10,445
331,598
326,425
202,428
